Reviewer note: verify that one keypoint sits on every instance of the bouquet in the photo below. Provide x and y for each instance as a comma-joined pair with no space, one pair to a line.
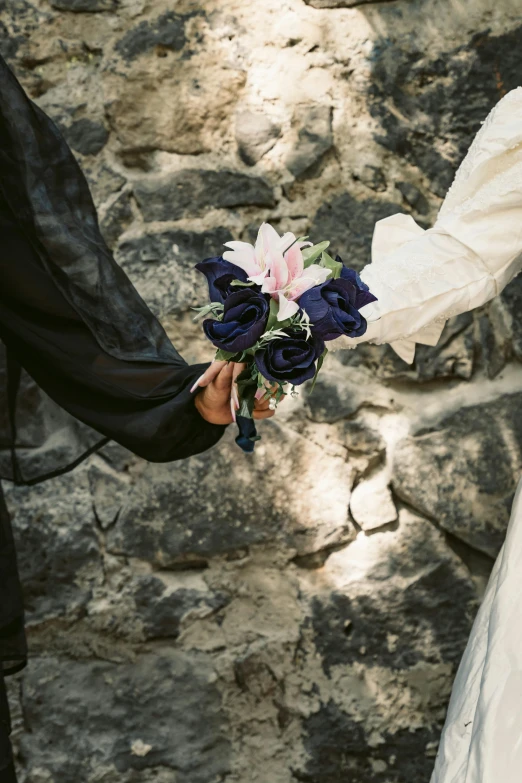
274,306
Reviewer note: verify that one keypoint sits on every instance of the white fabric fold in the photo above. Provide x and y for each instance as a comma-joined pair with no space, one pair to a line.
422,278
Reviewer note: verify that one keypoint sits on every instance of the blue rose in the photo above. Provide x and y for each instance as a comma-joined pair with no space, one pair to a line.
289,359
333,307
363,296
244,320
220,274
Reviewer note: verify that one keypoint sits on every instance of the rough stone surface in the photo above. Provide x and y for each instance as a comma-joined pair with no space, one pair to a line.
189,193
163,711
256,134
372,504
314,138
462,471
297,615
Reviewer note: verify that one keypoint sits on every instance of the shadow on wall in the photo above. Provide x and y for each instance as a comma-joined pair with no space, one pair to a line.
429,110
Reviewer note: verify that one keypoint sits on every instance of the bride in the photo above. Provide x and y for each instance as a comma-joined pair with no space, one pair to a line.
421,279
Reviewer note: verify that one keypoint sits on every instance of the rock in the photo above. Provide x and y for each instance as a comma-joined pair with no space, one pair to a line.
103,181
340,3
392,601
161,711
340,393
162,607
463,471
413,197
314,138
57,544
87,136
256,134
390,617
348,223
167,32
169,257
108,490
172,103
373,177
192,191
372,503
85,6
200,508
339,749
431,106
453,356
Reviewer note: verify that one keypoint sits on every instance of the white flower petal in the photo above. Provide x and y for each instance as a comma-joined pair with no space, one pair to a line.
286,309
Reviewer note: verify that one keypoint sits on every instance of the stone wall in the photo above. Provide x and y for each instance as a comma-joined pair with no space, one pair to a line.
296,615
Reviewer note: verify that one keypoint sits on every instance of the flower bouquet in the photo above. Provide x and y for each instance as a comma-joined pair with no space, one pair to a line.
274,306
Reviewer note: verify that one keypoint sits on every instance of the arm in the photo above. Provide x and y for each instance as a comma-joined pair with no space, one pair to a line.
422,278
146,405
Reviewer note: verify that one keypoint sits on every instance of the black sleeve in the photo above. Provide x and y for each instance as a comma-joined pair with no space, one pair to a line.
144,405
68,313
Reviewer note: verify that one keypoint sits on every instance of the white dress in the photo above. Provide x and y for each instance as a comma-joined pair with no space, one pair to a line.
421,278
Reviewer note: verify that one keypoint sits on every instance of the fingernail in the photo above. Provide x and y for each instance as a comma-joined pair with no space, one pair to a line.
193,388
233,411
235,396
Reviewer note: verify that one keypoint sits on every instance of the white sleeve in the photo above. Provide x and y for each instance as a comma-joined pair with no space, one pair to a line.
422,278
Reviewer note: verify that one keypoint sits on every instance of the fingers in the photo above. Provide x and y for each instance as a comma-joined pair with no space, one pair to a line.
208,376
223,380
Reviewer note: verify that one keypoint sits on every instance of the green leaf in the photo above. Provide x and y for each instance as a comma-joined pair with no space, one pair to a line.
311,254
224,356
240,284
335,267
247,389
319,365
272,318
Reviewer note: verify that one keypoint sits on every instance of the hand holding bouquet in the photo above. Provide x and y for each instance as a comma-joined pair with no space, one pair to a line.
274,306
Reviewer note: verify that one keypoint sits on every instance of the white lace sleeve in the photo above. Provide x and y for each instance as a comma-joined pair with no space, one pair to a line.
422,278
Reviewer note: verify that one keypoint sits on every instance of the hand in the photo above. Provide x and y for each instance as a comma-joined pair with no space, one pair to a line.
217,400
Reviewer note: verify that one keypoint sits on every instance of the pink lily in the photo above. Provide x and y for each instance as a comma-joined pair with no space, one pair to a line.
276,264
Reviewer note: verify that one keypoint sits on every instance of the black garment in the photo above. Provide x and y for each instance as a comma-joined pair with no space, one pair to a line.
78,344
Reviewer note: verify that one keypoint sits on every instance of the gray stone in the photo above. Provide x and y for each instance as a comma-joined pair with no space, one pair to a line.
57,544
256,134
372,503
373,177
162,608
103,181
159,712
191,192
339,750
421,98
87,136
192,510
413,197
314,138
453,356
393,601
341,3
340,393
170,257
463,471
85,6
348,223
167,32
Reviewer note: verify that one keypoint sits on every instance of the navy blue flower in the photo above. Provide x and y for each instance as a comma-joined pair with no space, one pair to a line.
220,274
333,307
245,317
363,296
289,359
